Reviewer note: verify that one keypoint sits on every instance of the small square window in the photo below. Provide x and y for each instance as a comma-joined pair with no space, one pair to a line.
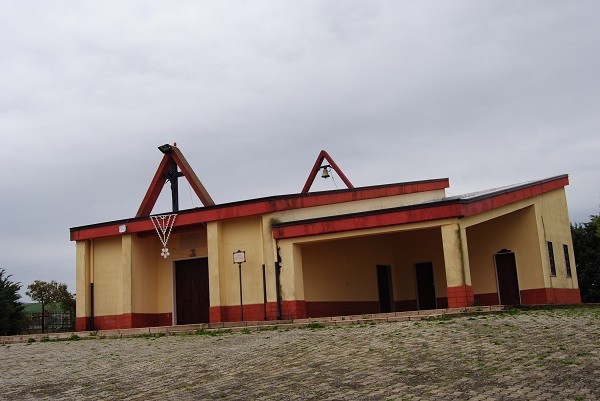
567,260
551,257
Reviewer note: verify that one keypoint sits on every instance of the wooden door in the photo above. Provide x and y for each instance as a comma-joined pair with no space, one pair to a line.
192,296
425,286
386,291
508,282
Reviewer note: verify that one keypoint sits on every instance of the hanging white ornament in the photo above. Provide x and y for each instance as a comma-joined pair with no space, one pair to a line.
164,225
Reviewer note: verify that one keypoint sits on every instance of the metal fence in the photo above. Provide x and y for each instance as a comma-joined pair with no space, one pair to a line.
53,322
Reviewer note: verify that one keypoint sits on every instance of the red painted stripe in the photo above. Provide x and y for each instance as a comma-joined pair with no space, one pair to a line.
383,218
341,308
124,321
369,221
542,296
256,312
345,224
262,207
155,187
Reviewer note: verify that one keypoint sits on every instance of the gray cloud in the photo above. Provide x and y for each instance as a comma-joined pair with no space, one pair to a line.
486,93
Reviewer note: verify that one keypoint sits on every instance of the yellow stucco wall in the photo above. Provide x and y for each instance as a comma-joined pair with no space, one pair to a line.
131,276
227,237
215,259
83,279
108,276
553,224
357,206
410,248
397,246
522,227
345,270
455,248
515,231
291,278
144,275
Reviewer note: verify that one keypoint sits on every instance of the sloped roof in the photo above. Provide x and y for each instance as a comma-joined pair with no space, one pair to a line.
473,196
260,206
455,206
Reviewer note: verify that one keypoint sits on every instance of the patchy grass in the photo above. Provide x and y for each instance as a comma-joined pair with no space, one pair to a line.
151,335
268,328
213,333
313,326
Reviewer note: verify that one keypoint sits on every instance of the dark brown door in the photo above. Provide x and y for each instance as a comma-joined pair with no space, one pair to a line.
191,281
425,286
508,283
386,293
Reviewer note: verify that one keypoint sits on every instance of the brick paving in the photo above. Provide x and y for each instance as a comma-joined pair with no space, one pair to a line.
547,354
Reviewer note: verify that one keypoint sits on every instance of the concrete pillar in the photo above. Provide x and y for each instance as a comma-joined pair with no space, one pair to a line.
126,270
269,257
82,286
456,261
292,281
214,234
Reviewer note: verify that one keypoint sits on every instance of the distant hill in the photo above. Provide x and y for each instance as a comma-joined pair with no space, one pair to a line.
36,307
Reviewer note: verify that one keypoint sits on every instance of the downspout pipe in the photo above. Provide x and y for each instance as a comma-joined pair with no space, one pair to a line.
264,277
92,279
278,286
91,306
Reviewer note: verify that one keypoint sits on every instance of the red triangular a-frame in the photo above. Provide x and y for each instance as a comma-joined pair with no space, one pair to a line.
158,182
311,178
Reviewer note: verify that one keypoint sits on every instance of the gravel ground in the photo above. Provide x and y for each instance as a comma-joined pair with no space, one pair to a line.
547,354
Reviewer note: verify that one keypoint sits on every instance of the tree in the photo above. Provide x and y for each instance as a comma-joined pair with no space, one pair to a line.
586,246
11,310
43,292
65,299
50,293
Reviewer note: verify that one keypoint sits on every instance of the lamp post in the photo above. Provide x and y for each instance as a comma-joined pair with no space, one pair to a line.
239,257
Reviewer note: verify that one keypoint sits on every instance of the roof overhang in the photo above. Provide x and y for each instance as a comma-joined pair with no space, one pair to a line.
259,206
455,207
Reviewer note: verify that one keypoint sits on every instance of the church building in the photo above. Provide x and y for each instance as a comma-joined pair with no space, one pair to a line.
375,249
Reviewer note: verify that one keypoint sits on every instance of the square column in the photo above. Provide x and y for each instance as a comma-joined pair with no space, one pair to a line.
456,261
83,285
126,271
214,234
127,267
293,305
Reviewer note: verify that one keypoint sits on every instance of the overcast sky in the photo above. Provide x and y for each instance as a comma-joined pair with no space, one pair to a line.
487,93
